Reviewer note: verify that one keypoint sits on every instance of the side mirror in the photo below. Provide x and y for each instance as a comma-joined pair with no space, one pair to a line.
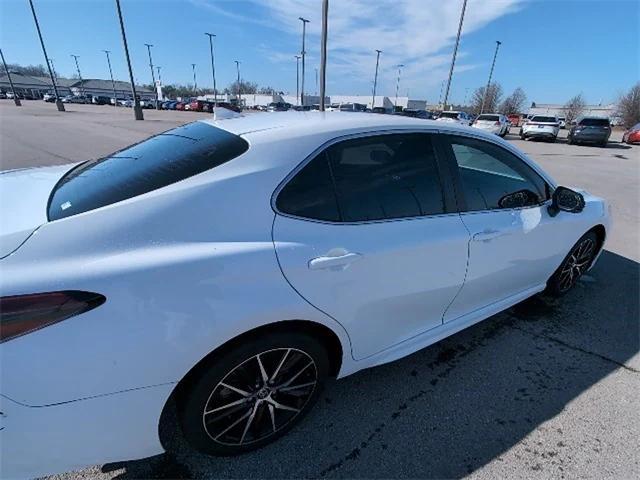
566,200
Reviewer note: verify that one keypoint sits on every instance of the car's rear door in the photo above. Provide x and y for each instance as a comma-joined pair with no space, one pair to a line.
367,232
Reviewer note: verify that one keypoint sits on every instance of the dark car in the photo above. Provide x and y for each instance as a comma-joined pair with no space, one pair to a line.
416,113
594,130
379,110
278,107
101,100
353,107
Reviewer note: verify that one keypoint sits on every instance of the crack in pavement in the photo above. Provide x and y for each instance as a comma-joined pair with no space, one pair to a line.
577,349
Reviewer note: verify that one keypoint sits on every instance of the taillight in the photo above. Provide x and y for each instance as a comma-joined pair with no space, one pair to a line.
497,124
22,314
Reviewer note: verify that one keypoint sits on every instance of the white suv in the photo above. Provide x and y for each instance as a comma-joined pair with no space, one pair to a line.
492,123
541,126
455,117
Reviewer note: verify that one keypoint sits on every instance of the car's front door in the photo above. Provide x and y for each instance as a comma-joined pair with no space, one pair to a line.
366,233
515,244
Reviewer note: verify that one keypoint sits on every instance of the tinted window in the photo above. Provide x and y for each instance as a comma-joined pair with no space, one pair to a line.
373,178
594,122
154,163
544,119
449,115
310,193
493,118
384,177
491,176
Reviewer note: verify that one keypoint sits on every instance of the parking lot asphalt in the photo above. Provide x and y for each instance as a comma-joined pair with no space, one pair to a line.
547,389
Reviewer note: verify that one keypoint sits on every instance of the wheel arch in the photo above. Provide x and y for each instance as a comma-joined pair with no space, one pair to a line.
168,424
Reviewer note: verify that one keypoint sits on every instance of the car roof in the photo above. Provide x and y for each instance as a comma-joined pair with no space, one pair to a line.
319,122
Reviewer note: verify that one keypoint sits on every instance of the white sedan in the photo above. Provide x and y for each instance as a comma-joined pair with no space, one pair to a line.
234,265
495,123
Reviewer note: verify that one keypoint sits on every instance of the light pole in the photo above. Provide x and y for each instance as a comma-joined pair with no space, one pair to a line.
238,81
159,77
113,84
213,69
75,57
195,83
323,52
375,79
297,57
53,67
398,83
59,103
455,51
303,53
316,92
153,78
137,111
16,100
486,90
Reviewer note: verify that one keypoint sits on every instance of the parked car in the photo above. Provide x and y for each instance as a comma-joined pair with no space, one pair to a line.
182,104
169,105
514,120
353,107
495,123
49,97
278,107
140,296
632,135
3,95
100,100
234,107
198,105
563,122
590,130
379,110
147,103
540,126
416,113
460,118
10,95
302,108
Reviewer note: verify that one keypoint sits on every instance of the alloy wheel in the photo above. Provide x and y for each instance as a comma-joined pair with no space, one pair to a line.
260,396
576,264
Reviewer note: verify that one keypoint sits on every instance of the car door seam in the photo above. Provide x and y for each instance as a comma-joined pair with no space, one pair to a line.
466,270
275,251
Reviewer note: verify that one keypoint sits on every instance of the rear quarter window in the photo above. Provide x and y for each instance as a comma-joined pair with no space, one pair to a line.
154,163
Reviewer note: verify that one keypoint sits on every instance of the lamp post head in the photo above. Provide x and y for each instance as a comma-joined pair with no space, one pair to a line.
304,20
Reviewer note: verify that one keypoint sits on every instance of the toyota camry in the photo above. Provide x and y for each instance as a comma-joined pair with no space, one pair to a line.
231,266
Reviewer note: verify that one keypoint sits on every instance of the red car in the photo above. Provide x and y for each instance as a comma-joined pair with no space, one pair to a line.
632,135
514,119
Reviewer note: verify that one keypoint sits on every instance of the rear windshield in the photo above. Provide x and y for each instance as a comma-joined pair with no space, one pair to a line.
154,163
493,118
544,119
449,115
595,122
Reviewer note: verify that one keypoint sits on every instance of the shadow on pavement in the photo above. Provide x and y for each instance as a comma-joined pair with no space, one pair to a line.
449,409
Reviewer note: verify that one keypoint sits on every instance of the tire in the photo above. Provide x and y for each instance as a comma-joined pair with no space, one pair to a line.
260,411
577,261
603,144
569,141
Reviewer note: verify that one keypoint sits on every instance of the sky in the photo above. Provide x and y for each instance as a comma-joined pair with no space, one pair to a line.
553,49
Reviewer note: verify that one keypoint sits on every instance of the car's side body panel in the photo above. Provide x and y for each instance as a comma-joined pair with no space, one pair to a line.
186,268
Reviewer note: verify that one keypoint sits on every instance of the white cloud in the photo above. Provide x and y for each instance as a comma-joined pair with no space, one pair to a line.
416,33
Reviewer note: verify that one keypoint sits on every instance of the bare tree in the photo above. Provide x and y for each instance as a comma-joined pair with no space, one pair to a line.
629,106
494,94
574,108
514,103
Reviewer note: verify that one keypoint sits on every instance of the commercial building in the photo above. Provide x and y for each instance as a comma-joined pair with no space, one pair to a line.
36,87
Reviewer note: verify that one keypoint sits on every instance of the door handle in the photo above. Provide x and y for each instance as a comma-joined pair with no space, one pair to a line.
339,262
487,235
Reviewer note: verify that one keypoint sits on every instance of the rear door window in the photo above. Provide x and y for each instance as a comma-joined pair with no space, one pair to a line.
154,163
